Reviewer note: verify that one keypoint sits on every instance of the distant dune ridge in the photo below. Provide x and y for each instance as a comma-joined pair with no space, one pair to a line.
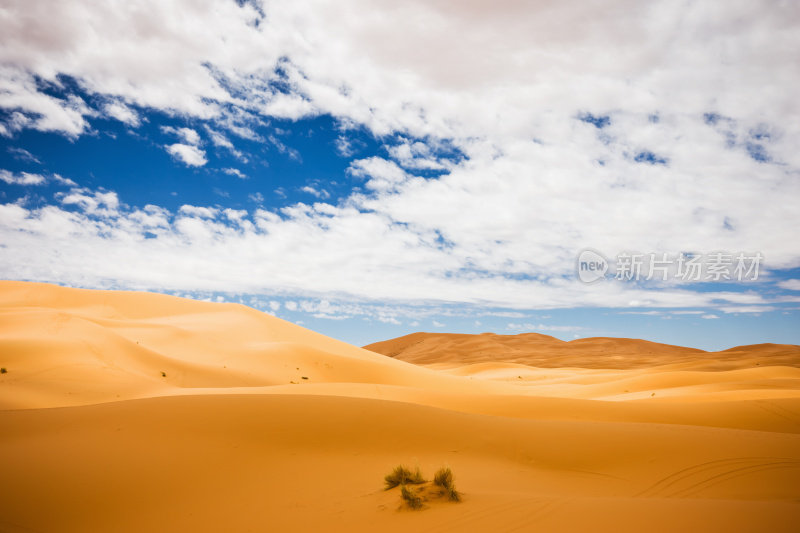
130,412
536,349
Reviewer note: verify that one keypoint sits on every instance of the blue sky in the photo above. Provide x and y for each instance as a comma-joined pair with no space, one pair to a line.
378,176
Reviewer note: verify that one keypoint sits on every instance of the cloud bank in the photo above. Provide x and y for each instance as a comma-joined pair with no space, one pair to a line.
656,127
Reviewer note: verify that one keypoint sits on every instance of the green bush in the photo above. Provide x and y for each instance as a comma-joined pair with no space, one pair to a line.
3,370
402,475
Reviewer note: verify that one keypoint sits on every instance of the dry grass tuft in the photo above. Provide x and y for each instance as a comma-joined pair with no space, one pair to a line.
444,479
413,501
402,475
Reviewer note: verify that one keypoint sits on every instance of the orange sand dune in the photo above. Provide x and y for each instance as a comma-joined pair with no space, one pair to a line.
232,438
544,351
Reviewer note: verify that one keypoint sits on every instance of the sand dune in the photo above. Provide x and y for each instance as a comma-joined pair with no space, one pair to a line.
544,351
541,436
72,347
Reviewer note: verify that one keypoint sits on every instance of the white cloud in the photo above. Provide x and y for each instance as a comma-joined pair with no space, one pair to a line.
123,113
540,327
415,155
709,317
790,284
187,135
344,146
303,250
190,155
507,314
292,107
319,193
234,172
536,183
218,139
381,175
27,178
23,155
94,203
18,91
200,212
437,324
747,309
22,178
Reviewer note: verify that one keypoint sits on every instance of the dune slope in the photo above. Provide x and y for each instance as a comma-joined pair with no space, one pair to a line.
232,438
66,346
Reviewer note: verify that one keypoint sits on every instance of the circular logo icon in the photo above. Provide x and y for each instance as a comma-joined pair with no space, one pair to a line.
591,266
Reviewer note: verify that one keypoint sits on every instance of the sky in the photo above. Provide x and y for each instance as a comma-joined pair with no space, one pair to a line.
368,169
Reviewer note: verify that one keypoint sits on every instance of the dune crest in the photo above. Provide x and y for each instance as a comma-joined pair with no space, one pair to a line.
544,351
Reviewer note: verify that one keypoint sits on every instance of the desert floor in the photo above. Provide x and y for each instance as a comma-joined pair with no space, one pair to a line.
133,412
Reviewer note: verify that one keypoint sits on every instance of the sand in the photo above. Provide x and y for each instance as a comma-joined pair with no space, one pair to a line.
603,435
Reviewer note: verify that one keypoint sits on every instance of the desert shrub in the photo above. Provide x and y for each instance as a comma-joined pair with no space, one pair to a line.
452,494
3,370
402,475
163,374
413,501
444,479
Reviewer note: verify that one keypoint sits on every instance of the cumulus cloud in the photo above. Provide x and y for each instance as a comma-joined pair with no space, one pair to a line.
23,178
123,113
790,284
35,109
627,126
27,178
380,174
319,193
187,135
351,250
416,155
94,203
190,155
201,212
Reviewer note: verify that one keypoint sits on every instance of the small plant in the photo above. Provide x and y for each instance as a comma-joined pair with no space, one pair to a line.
3,370
304,377
413,501
402,475
163,374
444,479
